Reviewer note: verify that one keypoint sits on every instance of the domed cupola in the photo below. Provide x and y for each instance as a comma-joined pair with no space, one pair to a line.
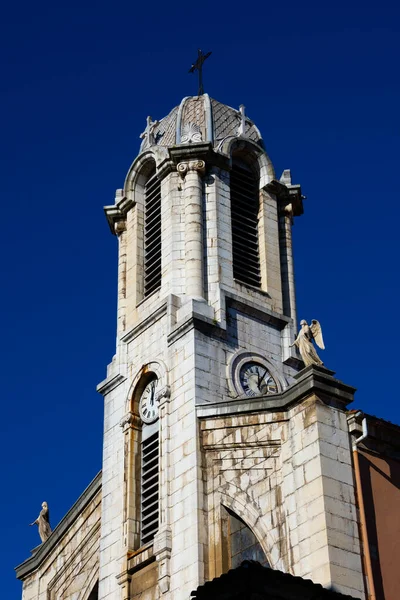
200,119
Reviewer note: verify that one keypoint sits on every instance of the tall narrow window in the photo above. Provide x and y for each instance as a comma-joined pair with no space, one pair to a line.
152,236
150,484
244,211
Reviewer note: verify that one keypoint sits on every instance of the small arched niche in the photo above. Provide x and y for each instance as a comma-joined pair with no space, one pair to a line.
240,543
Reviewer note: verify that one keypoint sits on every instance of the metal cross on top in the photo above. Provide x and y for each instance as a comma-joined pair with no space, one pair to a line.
198,66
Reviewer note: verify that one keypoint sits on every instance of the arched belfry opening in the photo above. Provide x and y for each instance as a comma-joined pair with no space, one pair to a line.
245,205
152,233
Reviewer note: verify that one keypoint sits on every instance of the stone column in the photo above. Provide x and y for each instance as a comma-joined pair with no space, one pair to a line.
120,230
191,172
131,427
287,266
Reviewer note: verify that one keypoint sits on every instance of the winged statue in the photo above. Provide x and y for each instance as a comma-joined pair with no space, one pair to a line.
304,342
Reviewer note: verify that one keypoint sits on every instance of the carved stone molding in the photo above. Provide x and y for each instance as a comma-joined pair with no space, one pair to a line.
191,132
193,165
119,227
117,212
164,392
124,580
130,421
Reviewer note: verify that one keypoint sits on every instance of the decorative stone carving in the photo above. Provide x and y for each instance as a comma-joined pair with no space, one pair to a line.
304,342
165,392
130,420
148,133
43,521
193,165
119,227
191,132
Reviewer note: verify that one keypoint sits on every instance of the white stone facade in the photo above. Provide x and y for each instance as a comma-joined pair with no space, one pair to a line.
281,463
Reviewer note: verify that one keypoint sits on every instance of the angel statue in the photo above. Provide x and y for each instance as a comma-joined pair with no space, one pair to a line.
304,342
43,521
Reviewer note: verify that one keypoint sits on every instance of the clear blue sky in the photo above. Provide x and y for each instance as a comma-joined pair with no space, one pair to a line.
77,82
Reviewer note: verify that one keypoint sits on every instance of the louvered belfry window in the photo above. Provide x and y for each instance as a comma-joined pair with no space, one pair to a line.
244,214
149,504
152,236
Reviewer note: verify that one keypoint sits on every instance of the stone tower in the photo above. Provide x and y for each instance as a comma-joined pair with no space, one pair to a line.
211,436
218,446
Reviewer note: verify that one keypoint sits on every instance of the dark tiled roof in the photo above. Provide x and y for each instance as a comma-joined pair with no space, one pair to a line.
252,581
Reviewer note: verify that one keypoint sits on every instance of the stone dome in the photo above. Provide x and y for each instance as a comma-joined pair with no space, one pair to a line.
199,119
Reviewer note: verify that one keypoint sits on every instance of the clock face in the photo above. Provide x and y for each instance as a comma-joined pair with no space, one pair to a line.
148,406
256,380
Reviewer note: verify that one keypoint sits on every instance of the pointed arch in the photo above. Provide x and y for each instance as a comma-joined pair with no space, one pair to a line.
92,590
93,582
243,506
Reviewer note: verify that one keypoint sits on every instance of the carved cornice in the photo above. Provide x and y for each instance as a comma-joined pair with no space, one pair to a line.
313,380
105,386
158,312
289,196
200,151
116,213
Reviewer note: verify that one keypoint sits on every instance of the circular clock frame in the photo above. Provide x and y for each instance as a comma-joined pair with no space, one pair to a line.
237,367
256,380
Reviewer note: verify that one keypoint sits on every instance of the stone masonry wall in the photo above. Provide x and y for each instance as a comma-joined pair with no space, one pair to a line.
288,475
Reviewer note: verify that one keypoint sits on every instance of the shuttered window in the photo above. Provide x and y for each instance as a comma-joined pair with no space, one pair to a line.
149,503
152,236
244,214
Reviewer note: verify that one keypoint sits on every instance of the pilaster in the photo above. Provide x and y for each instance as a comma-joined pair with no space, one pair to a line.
318,489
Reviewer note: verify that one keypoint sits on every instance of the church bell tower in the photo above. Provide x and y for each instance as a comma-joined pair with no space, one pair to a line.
217,446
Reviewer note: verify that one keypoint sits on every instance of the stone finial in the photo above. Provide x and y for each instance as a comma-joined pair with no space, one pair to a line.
148,133
304,342
286,177
43,521
242,126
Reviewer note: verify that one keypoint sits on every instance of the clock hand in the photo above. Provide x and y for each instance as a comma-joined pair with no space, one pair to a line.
261,379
